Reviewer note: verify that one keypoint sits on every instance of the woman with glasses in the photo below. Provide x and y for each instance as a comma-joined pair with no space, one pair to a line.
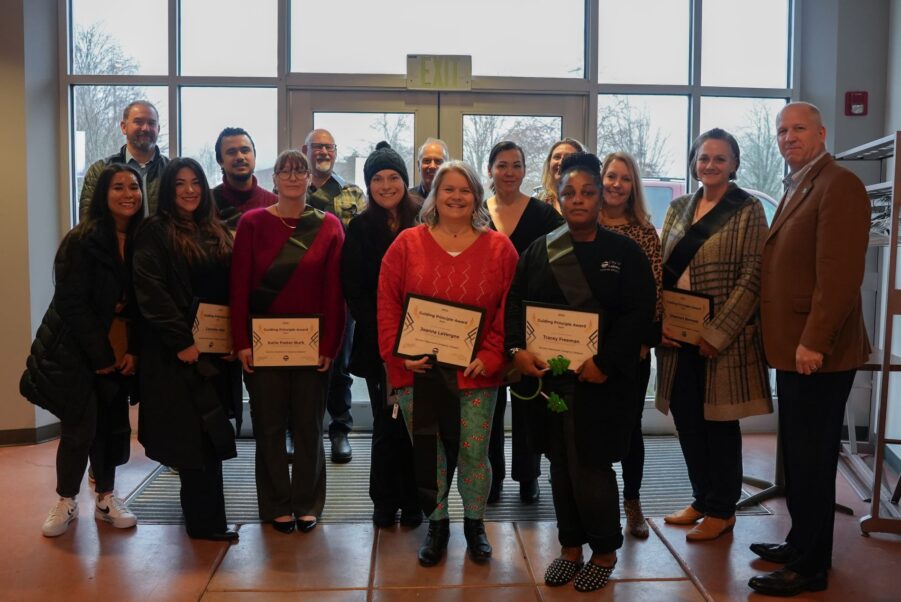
287,262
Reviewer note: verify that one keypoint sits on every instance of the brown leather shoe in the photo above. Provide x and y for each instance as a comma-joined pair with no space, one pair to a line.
635,522
685,516
710,528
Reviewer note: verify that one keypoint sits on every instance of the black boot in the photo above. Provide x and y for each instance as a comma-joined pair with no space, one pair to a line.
435,542
476,539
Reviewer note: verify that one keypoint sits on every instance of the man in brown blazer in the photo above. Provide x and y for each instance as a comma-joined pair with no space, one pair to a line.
814,336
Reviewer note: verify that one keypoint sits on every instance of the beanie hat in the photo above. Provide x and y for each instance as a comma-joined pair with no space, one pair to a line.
384,157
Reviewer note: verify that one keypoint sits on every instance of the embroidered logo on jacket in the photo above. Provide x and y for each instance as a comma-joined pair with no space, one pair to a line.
611,266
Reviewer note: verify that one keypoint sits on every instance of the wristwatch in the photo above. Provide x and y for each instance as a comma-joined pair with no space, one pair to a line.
512,351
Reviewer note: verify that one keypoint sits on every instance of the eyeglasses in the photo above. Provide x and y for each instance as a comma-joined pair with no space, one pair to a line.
286,174
318,146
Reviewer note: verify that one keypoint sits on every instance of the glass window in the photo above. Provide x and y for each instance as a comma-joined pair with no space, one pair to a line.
753,123
643,41
119,37
97,114
356,135
207,111
526,38
212,43
755,60
534,134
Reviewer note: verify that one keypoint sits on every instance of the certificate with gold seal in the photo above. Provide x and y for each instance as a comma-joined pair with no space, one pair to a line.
436,327
553,330
212,328
685,313
289,341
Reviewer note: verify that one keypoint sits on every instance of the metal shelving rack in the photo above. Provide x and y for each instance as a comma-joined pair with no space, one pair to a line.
885,198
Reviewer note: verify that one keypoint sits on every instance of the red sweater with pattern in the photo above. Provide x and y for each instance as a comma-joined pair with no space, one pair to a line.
479,276
314,288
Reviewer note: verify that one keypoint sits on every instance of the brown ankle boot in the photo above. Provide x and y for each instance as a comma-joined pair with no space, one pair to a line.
685,516
710,528
635,522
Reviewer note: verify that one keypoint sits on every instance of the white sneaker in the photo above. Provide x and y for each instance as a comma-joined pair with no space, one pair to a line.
63,513
113,510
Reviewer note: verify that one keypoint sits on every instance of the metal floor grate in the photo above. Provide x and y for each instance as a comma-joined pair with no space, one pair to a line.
665,488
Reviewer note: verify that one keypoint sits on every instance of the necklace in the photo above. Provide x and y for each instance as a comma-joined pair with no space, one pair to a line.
446,231
279,215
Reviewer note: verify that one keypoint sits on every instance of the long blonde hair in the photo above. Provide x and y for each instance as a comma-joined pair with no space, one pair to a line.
636,207
548,184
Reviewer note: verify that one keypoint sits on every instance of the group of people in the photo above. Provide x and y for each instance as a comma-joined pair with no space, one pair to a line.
786,296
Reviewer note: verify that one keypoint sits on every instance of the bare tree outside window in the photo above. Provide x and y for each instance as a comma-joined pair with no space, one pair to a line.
762,166
623,127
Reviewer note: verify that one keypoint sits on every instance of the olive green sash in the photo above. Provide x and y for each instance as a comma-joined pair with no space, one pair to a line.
566,269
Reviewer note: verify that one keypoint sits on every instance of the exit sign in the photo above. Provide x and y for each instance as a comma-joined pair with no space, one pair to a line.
439,72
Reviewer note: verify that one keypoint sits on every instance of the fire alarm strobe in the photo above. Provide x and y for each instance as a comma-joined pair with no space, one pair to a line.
855,104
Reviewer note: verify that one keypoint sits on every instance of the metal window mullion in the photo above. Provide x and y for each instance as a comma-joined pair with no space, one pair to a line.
283,62
794,55
592,43
172,79
696,91
66,176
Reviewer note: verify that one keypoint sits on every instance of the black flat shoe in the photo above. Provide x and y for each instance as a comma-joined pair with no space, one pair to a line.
476,539
283,527
305,526
781,553
786,582
561,571
435,542
529,491
592,577
411,517
226,536
341,450
494,494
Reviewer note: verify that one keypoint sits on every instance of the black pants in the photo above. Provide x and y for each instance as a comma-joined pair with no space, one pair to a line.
712,449
633,462
279,399
201,494
340,381
392,480
811,411
586,497
526,463
100,435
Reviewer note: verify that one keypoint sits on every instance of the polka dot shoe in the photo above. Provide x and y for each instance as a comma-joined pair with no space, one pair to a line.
592,577
561,572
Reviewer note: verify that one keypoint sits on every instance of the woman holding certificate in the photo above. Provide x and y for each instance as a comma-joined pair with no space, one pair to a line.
391,210
576,317
78,368
624,210
182,257
286,299
522,219
711,365
445,282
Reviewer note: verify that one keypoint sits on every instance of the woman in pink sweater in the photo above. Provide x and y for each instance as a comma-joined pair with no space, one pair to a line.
454,257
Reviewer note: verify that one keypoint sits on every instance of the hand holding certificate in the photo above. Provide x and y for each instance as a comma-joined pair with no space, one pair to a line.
285,341
432,326
212,328
685,313
555,330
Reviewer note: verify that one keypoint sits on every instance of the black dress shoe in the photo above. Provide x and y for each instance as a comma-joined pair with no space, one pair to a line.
435,542
227,536
476,539
341,451
494,494
529,492
411,517
786,582
384,517
283,527
305,526
781,553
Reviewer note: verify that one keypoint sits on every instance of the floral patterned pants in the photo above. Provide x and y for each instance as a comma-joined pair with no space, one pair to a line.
473,468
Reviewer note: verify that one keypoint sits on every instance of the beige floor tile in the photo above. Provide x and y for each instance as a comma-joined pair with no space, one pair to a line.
354,595
330,556
628,591
453,594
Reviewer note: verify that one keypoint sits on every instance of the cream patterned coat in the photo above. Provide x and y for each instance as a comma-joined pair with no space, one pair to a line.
727,267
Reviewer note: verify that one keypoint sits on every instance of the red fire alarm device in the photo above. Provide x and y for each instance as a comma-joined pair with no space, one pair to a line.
855,104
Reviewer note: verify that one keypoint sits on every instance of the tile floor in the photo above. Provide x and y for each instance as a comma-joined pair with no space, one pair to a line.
338,563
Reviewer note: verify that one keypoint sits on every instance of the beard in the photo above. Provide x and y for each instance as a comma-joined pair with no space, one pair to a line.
323,165
143,142
240,177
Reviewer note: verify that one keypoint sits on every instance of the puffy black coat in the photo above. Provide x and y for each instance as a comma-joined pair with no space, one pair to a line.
170,426
73,338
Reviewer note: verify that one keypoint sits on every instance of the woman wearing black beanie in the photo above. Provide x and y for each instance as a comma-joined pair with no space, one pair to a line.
392,484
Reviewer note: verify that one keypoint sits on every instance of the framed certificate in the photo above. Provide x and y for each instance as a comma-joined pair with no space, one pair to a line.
684,314
553,330
289,341
212,328
433,326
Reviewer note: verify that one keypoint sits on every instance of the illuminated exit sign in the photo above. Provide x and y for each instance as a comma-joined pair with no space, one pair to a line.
439,72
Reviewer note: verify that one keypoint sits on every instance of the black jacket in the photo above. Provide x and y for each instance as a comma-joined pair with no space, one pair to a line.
623,287
171,425
73,339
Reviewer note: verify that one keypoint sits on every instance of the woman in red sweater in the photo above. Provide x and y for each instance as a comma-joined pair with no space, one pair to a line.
453,256
306,280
